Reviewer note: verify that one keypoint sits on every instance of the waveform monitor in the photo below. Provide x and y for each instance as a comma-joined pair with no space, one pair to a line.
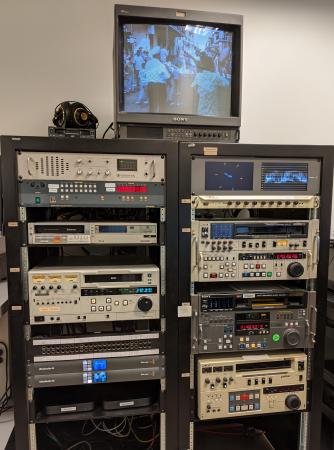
247,176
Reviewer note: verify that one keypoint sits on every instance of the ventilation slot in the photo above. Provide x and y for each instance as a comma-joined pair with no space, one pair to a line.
52,166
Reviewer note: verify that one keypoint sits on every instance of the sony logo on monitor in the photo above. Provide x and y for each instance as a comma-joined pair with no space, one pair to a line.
180,119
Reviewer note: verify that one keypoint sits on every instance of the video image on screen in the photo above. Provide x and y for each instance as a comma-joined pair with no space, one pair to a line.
229,176
176,69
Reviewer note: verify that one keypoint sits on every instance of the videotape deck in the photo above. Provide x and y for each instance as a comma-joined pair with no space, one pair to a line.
241,385
250,318
248,251
123,233
69,294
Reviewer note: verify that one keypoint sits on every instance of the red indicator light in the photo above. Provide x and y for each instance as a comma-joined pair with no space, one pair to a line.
244,397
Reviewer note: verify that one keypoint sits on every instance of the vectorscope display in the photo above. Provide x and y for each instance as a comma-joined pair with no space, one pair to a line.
173,68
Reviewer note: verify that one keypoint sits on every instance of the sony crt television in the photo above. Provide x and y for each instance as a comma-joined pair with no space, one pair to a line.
177,74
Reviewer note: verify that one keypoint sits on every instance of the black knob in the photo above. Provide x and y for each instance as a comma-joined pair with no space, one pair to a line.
292,337
218,380
292,402
207,381
58,287
295,269
145,304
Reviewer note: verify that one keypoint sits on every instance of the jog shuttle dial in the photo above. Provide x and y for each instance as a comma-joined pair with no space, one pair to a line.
291,337
145,304
295,270
293,402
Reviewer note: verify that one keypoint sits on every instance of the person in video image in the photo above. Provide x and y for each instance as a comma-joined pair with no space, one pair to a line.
208,83
142,97
156,76
138,61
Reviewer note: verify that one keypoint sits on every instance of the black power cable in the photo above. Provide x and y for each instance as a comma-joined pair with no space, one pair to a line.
110,127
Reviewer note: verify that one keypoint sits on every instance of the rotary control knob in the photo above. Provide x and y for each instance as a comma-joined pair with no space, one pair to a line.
90,172
79,172
295,269
292,337
292,402
107,172
145,304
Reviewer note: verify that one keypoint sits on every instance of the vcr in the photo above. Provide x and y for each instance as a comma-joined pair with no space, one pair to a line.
249,251
253,319
70,293
245,385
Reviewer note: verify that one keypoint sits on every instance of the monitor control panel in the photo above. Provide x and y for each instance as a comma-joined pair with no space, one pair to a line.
66,179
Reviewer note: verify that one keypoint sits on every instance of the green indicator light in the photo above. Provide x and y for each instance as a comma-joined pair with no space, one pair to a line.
276,337
37,200
269,274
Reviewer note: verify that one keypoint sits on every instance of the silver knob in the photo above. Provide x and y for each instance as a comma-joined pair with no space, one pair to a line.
90,172
107,172
79,161
79,172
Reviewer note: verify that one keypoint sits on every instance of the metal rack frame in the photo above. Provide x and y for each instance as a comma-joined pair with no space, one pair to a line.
310,421
25,428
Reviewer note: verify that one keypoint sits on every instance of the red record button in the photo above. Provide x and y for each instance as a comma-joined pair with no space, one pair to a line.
258,266
213,275
244,397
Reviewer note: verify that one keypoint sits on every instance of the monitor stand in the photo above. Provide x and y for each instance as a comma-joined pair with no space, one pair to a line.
178,133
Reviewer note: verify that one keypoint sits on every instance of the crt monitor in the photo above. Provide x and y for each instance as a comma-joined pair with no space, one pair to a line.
177,66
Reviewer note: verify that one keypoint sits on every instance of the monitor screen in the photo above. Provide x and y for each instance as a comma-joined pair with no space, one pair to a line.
229,176
176,69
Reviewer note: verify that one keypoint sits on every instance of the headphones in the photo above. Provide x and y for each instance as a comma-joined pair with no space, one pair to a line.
71,114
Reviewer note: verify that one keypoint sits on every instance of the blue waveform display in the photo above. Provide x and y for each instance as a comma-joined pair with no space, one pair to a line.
286,177
228,175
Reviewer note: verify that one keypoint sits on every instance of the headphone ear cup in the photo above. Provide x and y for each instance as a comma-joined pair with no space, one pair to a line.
67,115
59,117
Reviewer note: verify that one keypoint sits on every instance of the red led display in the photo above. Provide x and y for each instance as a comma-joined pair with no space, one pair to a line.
252,326
289,256
136,189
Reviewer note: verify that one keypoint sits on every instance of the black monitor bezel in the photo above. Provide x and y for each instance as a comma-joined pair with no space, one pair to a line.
126,13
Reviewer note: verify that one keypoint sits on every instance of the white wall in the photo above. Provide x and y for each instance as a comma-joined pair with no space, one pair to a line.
52,51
